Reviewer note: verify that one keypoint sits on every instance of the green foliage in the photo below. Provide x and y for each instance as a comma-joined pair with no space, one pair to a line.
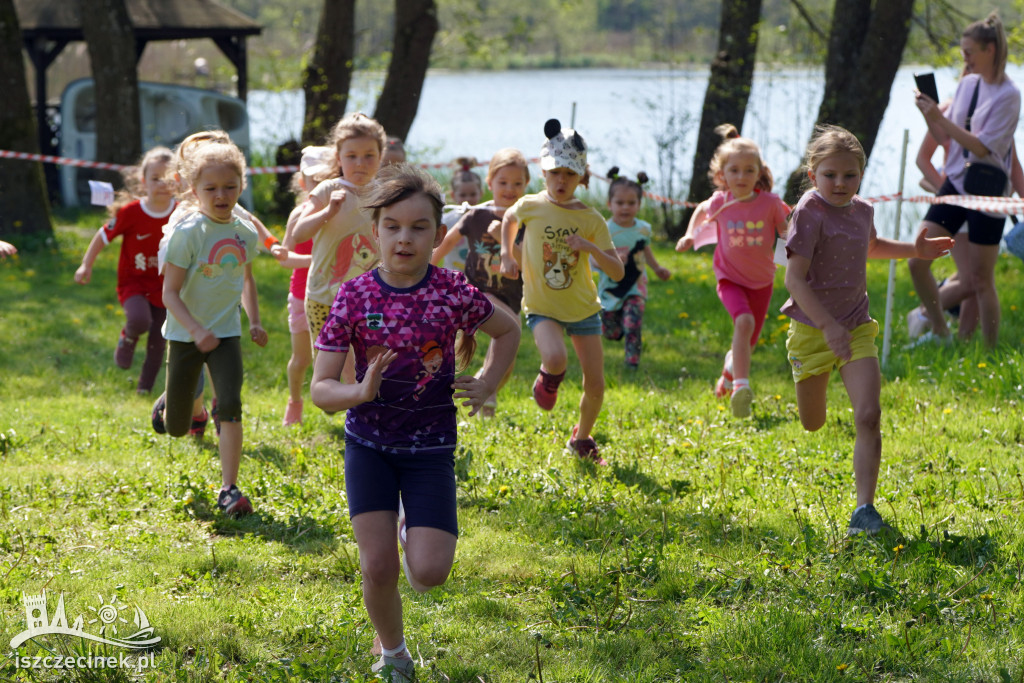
709,549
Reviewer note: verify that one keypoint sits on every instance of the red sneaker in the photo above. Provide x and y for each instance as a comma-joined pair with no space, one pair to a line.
545,389
585,449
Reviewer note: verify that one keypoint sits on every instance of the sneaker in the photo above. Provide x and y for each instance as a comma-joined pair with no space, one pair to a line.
723,387
232,502
545,389
867,520
740,401
214,415
157,416
198,428
400,669
292,413
585,449
929,338
917,323
125,351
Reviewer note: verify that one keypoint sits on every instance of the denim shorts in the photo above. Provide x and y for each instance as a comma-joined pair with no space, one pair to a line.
591,325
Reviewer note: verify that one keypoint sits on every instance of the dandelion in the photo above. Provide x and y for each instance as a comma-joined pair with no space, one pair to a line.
1013,307
721,408
503,490
982,366
947,411
842,667
778,397
76,321
683,315
781,317
670,292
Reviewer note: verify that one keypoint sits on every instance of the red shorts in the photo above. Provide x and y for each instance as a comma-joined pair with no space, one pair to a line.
738,300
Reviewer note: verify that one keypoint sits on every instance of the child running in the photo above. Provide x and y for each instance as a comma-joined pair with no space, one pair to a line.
746,217
623,302
314,161
558,286
140,224
831,236
343,245
480,229
208,273
400,322
467,191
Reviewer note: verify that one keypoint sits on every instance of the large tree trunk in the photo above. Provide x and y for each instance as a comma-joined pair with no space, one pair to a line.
329,74
865,46
415,26
732,73
24,211
113,56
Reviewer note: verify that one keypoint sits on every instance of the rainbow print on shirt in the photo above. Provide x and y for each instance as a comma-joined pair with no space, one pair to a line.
225,256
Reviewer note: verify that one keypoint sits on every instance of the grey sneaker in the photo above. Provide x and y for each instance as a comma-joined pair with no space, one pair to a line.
396,669
868,521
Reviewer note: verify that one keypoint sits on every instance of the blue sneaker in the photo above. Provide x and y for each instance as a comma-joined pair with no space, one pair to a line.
866,520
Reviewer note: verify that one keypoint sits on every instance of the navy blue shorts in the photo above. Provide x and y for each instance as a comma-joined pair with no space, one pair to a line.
374,478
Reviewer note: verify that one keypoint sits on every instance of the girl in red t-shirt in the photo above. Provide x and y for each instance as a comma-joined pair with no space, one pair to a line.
140,224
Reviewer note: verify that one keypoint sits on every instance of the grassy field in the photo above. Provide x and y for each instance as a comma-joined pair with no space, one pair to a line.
711,549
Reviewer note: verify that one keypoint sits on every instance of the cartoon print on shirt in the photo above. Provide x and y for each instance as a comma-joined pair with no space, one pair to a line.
487,259
225,256
355,255
558,266
432,357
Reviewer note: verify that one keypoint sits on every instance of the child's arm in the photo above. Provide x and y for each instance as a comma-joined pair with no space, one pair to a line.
509,226
451,239
314,216
607,260
251,304
923,247
84,273
696,219
174,280
294,261
331,395
504,334
836,336
662,272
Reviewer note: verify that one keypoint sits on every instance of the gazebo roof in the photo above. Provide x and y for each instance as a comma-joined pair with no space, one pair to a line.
152,19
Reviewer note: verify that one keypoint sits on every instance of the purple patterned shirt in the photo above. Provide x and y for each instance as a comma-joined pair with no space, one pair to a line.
413,411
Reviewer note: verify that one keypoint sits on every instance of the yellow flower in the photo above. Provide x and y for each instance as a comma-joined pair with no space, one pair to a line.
982,366
684,315
670,291
781,317
721,408
1013,307
947,411
842,667
778,397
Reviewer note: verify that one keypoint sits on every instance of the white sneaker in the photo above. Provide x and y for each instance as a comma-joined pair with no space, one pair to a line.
740,401
929,338
917,323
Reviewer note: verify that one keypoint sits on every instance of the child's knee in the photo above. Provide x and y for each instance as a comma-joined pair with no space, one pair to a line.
429,575
868,419
744,324
379,571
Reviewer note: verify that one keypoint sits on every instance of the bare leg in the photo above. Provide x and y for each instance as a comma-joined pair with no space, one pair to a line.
299,362
811,401
550,344
983,282
863,381
743,328
591,354
377,537
925,286
429,554
230,448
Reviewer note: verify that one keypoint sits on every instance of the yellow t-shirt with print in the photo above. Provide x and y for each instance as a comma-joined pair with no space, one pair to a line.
557,280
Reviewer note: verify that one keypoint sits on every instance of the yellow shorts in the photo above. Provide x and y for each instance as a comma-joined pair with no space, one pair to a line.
809,355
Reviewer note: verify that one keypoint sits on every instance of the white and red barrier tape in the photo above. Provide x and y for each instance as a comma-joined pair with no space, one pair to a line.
1002,205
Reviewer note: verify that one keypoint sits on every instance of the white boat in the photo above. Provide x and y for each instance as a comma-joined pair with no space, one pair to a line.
169,114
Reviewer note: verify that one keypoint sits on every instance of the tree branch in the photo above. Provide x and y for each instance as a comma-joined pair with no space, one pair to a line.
807,17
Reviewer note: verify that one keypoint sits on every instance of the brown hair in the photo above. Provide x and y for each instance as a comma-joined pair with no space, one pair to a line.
355,125
733,143
464,173
509,156
990,31
396,183
829,140
135,175
622,181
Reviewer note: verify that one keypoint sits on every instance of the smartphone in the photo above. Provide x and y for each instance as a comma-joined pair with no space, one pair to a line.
926,84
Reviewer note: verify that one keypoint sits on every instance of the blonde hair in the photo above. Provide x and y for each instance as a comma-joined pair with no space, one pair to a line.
829,140
351,126
733,143
135,175
509,156
990,31
213,153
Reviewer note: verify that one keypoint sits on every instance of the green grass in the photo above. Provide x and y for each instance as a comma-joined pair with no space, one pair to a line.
710,549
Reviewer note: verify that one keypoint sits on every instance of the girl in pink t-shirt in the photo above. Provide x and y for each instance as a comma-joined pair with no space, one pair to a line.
831,236
744,217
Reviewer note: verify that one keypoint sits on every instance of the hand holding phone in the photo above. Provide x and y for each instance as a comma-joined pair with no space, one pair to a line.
926,86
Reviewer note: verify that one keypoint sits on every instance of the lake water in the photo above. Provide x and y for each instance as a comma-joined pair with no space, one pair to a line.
621,113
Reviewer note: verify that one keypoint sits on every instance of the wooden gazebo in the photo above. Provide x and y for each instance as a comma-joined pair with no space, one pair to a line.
47,26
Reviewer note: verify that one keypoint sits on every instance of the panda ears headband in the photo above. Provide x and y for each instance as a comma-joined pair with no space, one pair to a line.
552,127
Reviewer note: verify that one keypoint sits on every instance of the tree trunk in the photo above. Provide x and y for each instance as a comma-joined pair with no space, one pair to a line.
113,57
732,73
865,46
329,74
24,211
415,26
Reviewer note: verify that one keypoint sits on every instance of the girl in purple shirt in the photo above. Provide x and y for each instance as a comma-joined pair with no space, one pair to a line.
400,322
831,236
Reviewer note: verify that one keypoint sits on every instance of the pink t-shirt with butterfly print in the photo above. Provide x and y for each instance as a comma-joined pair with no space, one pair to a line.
746,237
